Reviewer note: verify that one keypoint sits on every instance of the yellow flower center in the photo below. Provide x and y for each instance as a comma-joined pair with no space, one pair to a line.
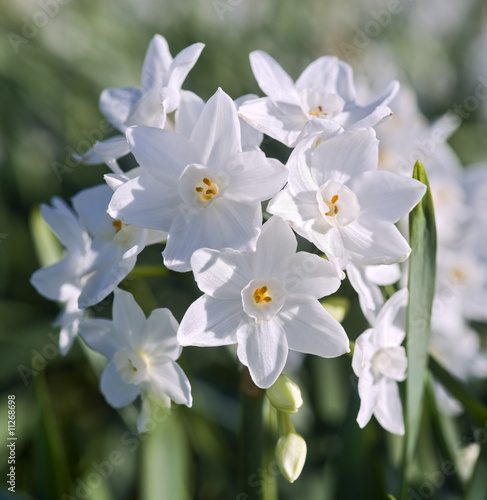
333,208
262,295
206,190
317,112
117,224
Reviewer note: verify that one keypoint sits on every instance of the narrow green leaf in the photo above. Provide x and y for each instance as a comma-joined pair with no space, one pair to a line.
476,411
421,285
477,488
52,474
165,461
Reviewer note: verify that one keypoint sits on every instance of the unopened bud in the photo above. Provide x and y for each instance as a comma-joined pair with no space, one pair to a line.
291,455
285,395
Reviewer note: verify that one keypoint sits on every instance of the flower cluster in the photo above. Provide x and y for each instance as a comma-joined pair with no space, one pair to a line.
199,186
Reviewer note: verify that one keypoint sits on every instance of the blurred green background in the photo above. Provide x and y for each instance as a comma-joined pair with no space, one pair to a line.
55,59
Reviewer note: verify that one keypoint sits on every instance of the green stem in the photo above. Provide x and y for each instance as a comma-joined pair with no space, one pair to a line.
251,437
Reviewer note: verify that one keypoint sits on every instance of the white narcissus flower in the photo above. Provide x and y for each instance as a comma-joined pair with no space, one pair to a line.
65,280
162,78
204,191
337,199
142,356
115,245
322,97
379,361
266,301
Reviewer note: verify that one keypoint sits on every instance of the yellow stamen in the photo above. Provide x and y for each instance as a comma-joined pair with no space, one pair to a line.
261,294
334,199
207,181
117,224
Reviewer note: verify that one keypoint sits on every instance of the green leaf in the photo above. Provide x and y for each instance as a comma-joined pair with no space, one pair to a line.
476,411
165,460
477,488
421,285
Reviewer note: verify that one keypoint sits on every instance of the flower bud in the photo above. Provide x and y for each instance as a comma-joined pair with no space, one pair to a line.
291,455
285,395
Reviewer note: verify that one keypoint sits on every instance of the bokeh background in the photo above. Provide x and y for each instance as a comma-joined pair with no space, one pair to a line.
56,56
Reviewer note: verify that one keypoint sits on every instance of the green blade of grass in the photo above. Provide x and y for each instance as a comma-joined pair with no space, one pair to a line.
421,285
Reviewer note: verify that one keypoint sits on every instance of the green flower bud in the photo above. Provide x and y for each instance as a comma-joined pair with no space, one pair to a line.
285,395
291,455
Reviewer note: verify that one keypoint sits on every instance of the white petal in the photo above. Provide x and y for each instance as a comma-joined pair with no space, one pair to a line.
311,329
263,348
160,334
383,275
380,244
328,75
157,62
182,65
345,156
165,154
104,280
210,322
115,390
91,205
64,223
368,392
221,275
117,103
112,148
168,378
275,247
311,275
101,336
253,177
272,79
295,209
146,202
69,320
283,122
216,134
391,321
386,196
128,318
251,137
188,112
371,114
149,110
363,352
388,411
370,296
51,281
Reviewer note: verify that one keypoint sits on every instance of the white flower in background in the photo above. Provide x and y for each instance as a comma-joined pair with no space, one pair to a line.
162,78
204,191
366,281
114,244
337,199
64,281
323,97
457,347
379,361
461,280
266,301
141,353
